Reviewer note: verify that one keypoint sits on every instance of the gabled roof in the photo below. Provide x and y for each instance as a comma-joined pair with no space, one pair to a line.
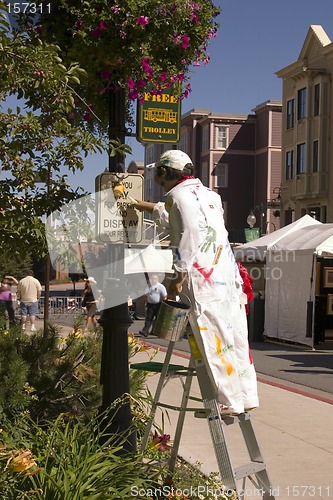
315,46
316,35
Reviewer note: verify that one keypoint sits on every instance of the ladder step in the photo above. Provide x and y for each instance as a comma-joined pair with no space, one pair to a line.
155,366
248,469
201,413
235,419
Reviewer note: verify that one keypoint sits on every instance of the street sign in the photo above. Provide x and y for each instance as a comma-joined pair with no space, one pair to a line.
158,118
117,221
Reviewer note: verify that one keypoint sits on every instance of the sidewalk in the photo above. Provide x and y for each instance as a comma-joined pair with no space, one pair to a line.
294,433
293,425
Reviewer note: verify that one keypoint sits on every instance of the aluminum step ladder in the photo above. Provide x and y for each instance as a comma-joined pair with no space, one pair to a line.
233,478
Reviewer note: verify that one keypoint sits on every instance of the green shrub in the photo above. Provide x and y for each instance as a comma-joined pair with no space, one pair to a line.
65,461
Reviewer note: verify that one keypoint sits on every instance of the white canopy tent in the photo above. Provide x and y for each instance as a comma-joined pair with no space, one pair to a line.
256,249
290,282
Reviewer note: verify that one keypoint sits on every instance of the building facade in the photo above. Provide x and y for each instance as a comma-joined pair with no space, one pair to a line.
307,152
238,156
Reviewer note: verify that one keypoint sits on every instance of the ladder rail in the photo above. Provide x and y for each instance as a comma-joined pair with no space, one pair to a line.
157,395
255,471
180,421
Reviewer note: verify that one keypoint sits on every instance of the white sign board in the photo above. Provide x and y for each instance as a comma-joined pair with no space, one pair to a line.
117,219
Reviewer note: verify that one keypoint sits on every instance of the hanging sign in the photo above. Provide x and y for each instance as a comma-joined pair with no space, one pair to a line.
158,118
117,221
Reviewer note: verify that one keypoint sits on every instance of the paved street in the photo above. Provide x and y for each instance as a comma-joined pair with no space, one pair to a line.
282,362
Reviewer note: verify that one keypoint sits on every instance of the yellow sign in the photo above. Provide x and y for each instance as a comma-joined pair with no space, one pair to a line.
158,119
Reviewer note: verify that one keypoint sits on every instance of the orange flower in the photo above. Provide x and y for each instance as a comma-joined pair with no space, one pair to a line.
21,461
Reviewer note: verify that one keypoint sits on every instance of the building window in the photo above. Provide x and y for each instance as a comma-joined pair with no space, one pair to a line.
301,158
221,137
289,165
290,113
205,138
315,152
316,100
221,175
301,104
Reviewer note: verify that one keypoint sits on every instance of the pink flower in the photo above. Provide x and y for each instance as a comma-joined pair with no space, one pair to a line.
78,23
106,75
130,83
185,41
122,34
147,68
212,33
133,94
98,31
160,442
145,62
164,76
176,39
141,83
195,17
115,9
142,20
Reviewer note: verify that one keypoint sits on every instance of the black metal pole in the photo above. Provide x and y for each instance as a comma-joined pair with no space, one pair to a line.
116,320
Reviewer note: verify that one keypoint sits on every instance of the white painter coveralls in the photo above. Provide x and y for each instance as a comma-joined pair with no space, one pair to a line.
193,215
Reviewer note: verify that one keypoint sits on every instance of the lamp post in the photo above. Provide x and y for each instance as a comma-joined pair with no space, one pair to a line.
251,218
116,419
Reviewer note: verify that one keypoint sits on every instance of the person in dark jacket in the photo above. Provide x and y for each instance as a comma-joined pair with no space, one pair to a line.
90,303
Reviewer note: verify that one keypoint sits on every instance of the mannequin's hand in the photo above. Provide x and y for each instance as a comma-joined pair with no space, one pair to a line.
142,205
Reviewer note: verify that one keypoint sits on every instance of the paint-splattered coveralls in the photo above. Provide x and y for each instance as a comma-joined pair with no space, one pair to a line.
193,215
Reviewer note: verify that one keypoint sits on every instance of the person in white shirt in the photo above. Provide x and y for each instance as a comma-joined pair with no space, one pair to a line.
155,293
29,291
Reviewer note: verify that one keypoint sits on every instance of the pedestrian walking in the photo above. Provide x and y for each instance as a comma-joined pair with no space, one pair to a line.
29,291
155,293
6,298
90,303
206,271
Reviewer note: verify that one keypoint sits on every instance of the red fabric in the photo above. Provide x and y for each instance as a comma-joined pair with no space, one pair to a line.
247,282
184,178
247,289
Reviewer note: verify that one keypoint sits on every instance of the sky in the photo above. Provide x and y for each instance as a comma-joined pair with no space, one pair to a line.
256,38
